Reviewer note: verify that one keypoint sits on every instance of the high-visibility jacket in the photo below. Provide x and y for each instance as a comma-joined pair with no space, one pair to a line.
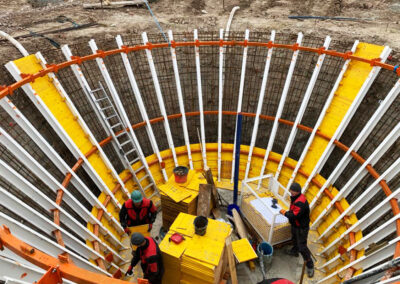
150,259
130,215
299,211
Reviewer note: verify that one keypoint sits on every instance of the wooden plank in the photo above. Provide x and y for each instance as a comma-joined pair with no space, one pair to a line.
239,224
231,260
204,199
110,5
210,180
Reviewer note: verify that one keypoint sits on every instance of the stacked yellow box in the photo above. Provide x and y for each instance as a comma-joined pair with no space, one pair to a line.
171,254
198,259
180,197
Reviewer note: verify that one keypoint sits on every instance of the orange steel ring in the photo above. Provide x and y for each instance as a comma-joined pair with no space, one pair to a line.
357,157
28,78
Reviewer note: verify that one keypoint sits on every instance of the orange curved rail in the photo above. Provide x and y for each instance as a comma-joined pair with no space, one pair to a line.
62,266
355,155
8,90
28,78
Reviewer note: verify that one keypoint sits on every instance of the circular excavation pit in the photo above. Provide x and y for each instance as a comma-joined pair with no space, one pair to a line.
84,127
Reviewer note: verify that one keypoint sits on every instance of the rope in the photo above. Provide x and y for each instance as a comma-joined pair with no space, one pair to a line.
156,21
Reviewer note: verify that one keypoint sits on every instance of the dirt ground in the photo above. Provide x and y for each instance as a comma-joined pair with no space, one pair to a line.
378,19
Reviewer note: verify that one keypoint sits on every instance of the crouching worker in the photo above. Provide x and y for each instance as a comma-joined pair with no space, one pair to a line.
299,218
137,211
146,251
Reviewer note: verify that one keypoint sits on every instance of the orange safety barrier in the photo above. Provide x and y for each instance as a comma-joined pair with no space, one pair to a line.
57,268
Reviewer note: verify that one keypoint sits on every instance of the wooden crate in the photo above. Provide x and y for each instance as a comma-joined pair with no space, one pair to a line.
281,232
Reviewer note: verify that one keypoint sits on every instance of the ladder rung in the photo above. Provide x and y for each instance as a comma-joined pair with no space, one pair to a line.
106,108
139,169
154,193
104,98
142,178
119,135
126,142
111,116
147,186
130,151
133,161
115,125
96,90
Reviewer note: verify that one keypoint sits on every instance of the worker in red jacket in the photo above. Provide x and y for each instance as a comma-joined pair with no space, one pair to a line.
148,253
137,211
299,218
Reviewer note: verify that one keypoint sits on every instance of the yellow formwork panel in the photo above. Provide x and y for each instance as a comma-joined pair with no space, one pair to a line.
55,102
354,77
285,174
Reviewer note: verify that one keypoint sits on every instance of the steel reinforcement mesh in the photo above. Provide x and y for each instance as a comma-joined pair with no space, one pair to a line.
209,66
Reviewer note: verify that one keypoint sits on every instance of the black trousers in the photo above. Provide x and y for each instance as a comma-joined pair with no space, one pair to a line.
153,278
299,237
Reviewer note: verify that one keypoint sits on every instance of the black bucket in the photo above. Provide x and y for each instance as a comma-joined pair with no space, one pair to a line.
200,225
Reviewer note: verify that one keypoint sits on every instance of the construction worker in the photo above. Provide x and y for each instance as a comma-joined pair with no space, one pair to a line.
299,218
146,251
276,281
137,211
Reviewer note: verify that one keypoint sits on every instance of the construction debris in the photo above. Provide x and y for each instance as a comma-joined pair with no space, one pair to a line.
231,260
204,200
113,5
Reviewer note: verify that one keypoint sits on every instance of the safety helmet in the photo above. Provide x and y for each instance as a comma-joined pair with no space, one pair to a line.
295,187
137,239
136,196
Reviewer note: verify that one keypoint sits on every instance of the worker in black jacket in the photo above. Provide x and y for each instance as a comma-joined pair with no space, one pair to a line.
146,251
137,211
299,218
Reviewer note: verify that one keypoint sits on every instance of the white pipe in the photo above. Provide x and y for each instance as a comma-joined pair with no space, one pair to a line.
180,100
228,24
240,99
321,117
15,43
200,95
259,106
220,99
280,107
303,107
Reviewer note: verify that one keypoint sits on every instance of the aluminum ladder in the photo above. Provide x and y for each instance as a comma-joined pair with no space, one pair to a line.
122,139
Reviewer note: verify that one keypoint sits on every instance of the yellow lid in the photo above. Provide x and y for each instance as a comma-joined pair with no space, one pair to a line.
171,248
243,250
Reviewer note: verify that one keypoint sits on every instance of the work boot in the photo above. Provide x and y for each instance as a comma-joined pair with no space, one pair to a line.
310,272
292,252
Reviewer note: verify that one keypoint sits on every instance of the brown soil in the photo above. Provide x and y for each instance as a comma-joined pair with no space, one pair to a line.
378,19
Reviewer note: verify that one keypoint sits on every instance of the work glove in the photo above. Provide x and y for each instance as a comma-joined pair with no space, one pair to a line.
150,227
282,211
127,231
129,271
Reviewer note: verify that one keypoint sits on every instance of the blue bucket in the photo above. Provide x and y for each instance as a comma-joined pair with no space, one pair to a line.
266,250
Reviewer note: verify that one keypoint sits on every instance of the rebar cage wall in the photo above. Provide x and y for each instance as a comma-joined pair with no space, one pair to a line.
209,71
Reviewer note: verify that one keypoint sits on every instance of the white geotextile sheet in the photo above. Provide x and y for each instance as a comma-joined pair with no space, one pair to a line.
268,215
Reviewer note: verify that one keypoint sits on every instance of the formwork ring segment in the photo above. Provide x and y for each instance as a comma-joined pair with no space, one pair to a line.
362,58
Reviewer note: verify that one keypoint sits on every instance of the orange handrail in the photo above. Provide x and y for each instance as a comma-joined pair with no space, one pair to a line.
62,265
28,78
